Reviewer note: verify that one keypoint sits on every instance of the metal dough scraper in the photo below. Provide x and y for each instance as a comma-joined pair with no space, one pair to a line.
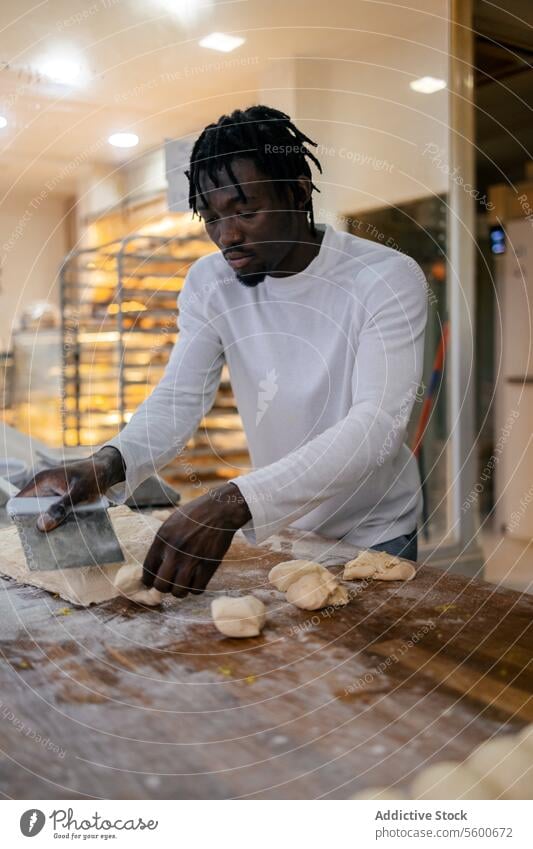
85,538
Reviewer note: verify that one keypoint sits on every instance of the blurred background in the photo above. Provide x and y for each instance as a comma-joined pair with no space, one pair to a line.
422,116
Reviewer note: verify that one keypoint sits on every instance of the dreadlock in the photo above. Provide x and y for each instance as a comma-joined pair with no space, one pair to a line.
267,137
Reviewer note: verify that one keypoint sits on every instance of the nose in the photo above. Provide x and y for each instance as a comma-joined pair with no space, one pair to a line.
229,232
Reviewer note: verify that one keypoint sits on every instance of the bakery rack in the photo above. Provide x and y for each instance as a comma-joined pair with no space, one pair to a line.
119,311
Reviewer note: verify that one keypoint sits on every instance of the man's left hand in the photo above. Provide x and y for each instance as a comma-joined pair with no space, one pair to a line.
191,543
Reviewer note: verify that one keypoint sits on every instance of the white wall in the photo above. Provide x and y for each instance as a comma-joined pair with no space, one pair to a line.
33,241
374,132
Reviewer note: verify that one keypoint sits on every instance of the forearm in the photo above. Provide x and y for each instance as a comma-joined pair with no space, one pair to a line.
153,437
160,428
333,463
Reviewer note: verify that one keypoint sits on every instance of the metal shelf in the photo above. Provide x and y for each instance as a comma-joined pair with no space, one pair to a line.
114,274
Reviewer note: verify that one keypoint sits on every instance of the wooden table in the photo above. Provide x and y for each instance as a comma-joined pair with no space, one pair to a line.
139,703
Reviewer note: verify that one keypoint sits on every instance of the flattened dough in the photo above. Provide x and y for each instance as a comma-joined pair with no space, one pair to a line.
88,584
244,616
308,585
380,566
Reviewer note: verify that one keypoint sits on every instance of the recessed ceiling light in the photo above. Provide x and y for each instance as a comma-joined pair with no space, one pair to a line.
221,41
427,85
63,71
3,122
124,139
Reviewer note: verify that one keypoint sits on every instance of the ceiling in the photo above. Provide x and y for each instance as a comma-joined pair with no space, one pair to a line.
142,69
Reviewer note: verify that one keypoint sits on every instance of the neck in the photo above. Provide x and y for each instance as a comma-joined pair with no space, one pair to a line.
304,249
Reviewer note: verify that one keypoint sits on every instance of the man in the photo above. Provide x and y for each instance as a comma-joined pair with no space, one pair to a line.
323,335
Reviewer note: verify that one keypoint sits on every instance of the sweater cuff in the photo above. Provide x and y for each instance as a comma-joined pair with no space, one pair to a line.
120,492
258,528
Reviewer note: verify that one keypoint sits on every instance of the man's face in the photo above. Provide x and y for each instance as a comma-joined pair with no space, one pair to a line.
254,235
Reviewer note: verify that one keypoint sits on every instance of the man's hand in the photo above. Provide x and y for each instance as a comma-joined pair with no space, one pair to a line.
83,480
190,545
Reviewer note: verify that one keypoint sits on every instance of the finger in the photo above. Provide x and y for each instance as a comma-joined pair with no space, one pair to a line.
164,580
56,513
202,575
152,561
38,487
184,574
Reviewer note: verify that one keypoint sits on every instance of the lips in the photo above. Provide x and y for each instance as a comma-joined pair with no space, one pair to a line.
238,260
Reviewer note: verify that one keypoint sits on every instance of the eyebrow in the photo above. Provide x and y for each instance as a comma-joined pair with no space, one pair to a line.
234,199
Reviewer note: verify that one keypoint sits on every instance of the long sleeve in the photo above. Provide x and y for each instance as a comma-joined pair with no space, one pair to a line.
385,381
165,421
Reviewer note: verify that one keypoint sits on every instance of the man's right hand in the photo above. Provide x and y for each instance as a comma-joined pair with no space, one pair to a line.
74,483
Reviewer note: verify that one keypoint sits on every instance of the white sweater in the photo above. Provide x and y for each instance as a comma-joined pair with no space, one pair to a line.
325,366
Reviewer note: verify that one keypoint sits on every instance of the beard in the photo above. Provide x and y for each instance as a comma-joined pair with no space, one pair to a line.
253,279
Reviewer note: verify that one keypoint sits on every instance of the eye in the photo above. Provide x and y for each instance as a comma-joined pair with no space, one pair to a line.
247,214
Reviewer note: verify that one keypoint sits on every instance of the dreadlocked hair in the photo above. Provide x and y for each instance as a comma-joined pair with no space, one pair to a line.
267,137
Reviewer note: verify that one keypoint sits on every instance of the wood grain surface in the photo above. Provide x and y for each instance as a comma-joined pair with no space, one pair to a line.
122,702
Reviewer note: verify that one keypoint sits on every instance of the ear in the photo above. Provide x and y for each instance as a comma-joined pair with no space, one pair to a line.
302,192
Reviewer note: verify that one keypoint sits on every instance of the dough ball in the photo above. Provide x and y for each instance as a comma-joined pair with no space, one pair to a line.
380,793
506,765
401,571
309,593
129,583
129,579
449,780
367,563
526,738
308,585
285,574
339,596
314,591
354,570
244,616
380,566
